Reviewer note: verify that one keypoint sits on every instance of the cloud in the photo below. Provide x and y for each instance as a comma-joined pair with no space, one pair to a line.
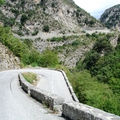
96,7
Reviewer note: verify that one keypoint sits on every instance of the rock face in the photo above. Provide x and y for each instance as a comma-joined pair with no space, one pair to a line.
111,17
32,17
7,59
42,19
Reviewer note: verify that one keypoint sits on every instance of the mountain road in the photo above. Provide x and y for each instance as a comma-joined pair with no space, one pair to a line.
15,104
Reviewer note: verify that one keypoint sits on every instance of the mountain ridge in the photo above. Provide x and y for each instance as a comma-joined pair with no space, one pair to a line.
33,17
111,18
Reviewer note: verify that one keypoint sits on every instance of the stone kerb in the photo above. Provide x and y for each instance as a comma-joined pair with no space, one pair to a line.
79,111
53,101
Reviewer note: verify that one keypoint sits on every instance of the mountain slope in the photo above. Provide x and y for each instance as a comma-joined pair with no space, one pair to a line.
7,59
111,17
31,17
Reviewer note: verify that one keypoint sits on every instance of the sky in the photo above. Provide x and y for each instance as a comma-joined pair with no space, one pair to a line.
96,7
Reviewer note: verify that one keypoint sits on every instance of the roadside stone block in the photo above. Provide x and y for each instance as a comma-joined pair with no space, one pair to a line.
24,84
79,111
51,100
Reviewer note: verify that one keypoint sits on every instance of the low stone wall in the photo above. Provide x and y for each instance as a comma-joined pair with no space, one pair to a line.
70,110
69,87
51,100
79,111
24,84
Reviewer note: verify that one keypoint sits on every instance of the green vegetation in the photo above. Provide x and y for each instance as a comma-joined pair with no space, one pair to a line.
96,78
58,39
2,2
46,28
94,93
35,32
76,42
49,58
53,4
88,20
7,21
112,16
23,19
30,77
24,50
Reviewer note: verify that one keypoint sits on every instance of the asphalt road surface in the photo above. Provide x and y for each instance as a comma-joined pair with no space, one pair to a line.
15,104
53,81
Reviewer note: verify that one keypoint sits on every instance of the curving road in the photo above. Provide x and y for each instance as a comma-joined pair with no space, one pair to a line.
17,105
53,81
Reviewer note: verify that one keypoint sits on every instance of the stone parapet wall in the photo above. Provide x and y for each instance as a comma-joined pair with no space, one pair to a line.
69,87
70,110
53,101
79,111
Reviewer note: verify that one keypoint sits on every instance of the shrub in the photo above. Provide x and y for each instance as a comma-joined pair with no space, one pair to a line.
9,22
35,32
76,42
87,35
49,58
46,28
53,4
23,19
2,2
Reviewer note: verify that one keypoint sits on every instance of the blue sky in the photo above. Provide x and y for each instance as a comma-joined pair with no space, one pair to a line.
96,7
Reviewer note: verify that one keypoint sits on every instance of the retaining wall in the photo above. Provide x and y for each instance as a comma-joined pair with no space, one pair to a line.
79,111
51,100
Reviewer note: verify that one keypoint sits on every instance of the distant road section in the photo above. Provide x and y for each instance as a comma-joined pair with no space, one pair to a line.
15,104
45,36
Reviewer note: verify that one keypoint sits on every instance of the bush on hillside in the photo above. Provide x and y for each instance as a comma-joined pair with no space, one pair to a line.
46,28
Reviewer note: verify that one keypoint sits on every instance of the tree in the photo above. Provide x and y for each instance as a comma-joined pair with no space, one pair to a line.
90,60
49,58
103,45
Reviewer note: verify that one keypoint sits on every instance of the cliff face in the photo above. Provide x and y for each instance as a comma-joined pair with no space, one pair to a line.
32,17
111,17
42,19
7,59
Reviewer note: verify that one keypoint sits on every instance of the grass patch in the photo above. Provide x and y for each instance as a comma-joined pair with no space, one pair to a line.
30,77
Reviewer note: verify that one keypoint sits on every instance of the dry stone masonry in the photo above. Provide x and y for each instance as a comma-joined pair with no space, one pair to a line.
79,111
53,101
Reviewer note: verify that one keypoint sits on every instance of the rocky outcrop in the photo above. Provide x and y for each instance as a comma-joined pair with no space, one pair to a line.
111,17
7,59
29,17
